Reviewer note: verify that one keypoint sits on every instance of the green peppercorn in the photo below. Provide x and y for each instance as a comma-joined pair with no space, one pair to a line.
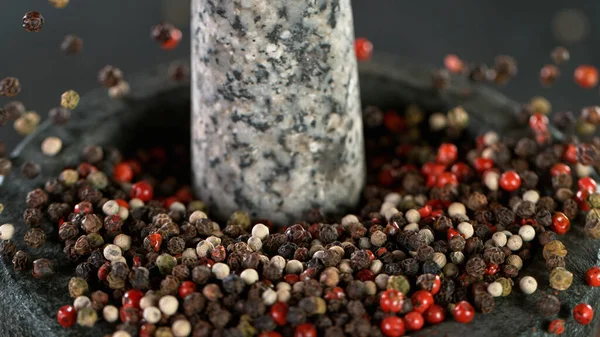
77,287
400,283
87,317
96,240
594,200
240,218
560,278
165,263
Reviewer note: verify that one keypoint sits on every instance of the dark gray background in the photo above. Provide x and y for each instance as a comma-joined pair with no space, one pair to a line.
117,32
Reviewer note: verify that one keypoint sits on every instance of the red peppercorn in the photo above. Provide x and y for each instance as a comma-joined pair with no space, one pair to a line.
483,164
291,278
279,312
147,330
371,255
363,49
391,300
510,181
392,326
66,316
570,154
122,203
492,269
184,195
123,173
84,169
129,314
538,123
454,64
592,276
447,154
446,178
581,198
169,201
463,312
559,168
452,233
557,327
425,211
270,334
155,240
135,165
132,298
432,169
336,293
421,301
586,76
435,314
583,313
142,190
394,122
305,330
560,223
365,275
186,288
103,271
587,184
83,207
461,170
413,321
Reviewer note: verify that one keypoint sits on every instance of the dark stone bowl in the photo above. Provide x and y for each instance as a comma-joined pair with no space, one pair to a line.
158,110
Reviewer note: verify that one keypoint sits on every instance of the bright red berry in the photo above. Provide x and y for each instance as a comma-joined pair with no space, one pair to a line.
84,169
305,330
587,184
510,181
142,190
365,275
581,199
122,203
560,223
586,76
291,278
463,312
447,154
454,64
129,315
538,123
583,313
421,301
483,164
559,168
432,169
66,316
392,326
391,300
570,155
186,288
425,211
435,314
279,312
413,321
363,49
461,170
154,240
452,233
592,276
147,330
184,194
394,122
557,327
132,298
446,178
123,173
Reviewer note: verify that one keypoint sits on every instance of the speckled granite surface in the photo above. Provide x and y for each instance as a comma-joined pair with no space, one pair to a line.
276,126
28,306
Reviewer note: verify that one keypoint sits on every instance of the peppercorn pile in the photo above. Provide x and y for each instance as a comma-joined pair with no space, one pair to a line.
445,230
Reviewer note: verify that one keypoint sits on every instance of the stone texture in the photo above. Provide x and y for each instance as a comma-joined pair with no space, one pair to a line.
276,126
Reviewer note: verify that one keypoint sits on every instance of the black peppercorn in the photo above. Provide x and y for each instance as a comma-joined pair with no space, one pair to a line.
32,217
30,169
20,260
41,267
410,266
548,305
484,302
494,255
425,253
475,266
35,238
360,260
431,267
474,245
36,198
526,210
296,316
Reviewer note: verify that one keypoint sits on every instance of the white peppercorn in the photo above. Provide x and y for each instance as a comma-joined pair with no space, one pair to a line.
51,146
168,305
123,241
413,227
427,234
254,243
197,215
376,266
177,207
528,285
382,280
110,313
110,207
490,138
112,252
189,253
152,315
283,295
531,196
370,288
214,240
437,121
350,218
583,170
389,212
495,289
439,259
249,276
121,333
123,213
269,296
345,266
456,208
203,248
466,229
491,179
278,261
120,90
413,216
515,260
527,233
378,238
293,267
457,257
135,203
7,231
82,302
499,239
283,286
221,270
181,328
514,243
260,231
148,300
393,198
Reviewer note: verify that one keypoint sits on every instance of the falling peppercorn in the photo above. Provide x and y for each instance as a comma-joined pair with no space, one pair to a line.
33,22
